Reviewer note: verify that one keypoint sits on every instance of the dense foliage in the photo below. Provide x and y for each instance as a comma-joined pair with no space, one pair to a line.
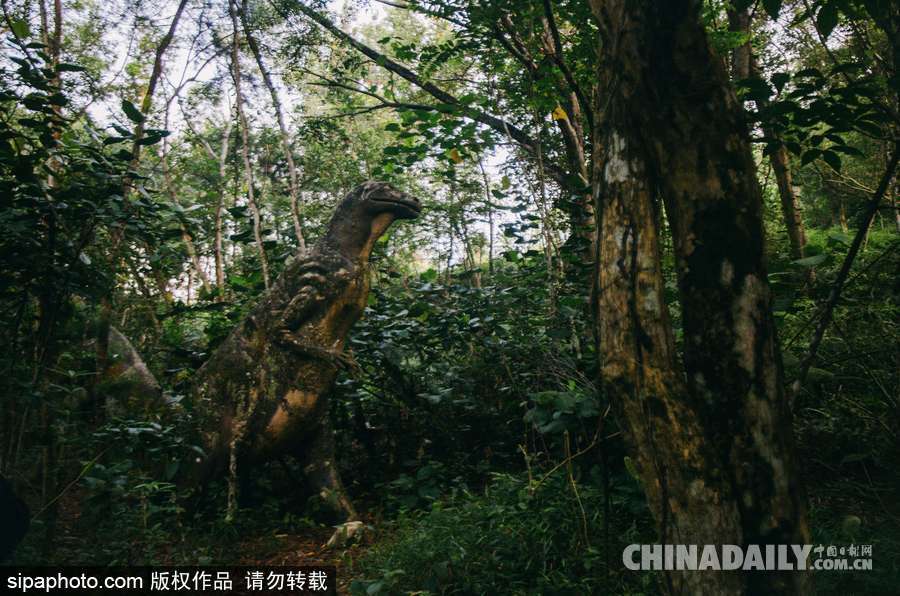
471,429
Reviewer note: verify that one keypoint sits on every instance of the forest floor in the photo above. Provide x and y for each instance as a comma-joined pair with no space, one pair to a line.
262,538
252,542
292,550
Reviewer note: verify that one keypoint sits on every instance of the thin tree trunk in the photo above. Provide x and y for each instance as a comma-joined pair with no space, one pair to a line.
489,197
744,65
713,436
221,159
285,138
895,207
117,234
53,41
581,211
50,300
790,205
220,206
173,196
245,147
155,74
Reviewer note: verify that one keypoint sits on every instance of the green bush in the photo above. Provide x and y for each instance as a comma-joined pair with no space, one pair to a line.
513,539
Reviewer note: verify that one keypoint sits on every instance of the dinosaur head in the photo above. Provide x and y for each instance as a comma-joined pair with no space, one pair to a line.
365,214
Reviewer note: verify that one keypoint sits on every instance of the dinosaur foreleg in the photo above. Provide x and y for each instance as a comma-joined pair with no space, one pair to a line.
301,346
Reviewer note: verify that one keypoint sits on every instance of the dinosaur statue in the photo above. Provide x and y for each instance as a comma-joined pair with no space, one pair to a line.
263,393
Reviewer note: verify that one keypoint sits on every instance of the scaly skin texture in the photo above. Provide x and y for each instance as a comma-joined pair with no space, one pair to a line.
263,393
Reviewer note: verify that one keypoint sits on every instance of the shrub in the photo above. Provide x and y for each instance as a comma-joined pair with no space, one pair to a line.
546,538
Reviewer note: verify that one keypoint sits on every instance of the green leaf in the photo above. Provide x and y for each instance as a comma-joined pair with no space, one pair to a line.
132,112
877,9
819,374
780,79
773,7
67,67
826,19
20,28
755,88
869,128
832,159
809,72
847,150
810,156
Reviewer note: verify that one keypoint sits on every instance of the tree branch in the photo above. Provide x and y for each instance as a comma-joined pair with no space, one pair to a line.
424,11
557,55
282,128
498,124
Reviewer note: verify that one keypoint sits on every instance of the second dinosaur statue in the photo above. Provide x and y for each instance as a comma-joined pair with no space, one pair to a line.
263,393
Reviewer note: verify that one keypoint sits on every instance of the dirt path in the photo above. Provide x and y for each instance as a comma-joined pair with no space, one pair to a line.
306,548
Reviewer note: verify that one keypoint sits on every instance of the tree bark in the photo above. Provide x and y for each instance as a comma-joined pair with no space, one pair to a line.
245,144
713,435
790,205
489,198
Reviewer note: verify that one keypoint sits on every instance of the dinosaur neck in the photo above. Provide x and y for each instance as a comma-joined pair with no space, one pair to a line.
355,240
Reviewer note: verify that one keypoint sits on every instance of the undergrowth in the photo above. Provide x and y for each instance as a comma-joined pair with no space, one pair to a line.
530,538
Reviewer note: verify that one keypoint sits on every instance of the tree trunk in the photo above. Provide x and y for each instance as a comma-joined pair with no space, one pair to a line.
173,196
713,437
222,160
245,148
117,234
285,138
790,205
744,65
220,205
582,241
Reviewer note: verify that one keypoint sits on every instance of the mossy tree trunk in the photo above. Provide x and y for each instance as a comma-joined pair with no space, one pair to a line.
712,434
